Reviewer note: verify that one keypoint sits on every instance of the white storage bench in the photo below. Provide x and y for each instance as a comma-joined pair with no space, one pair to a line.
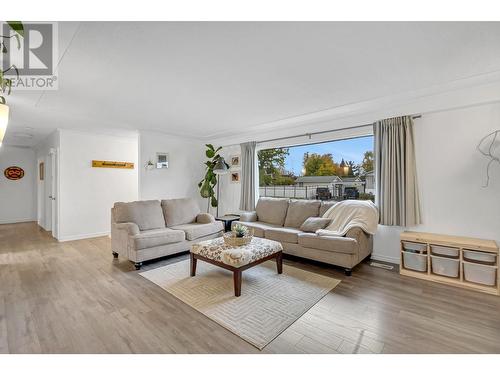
460,261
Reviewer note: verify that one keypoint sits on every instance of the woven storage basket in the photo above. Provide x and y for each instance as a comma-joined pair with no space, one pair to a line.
231,239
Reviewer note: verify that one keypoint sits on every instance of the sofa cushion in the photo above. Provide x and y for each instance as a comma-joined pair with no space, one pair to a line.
299,210
312,224
146,214
196,230
248,216
205,218
179,211
328,243
272,210
325,206
157,237
257,226
289,235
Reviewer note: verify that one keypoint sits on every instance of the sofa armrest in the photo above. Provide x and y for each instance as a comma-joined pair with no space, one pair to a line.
248,216
364,240
205,218
121,241
130,228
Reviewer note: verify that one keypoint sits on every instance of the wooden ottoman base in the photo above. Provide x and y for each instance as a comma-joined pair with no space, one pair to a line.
238,270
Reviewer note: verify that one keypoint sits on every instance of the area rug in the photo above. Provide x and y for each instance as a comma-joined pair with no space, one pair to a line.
269,303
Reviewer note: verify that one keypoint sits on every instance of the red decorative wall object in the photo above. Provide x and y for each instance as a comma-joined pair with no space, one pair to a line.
14,173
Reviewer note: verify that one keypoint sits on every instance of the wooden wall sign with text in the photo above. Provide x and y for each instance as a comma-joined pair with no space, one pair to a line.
112,164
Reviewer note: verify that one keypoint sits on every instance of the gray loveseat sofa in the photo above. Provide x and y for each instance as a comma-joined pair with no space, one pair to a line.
146,230
279,219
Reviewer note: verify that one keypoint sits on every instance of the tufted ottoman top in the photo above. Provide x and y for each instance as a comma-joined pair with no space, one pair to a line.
236,256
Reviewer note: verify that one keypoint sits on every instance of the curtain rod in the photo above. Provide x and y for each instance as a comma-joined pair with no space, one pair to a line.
317,133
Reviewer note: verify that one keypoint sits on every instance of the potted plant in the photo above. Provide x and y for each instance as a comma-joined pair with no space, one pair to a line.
240,231
207,185
240,235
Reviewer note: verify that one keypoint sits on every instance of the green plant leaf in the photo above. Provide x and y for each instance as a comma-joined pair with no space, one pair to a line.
218,149
210,146
17,26
206,191
213,202
210,153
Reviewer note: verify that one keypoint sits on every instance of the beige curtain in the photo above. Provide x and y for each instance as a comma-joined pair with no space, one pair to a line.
248,176
395,172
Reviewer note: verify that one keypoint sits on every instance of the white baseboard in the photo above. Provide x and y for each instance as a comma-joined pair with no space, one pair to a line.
15,221
385,258
82,236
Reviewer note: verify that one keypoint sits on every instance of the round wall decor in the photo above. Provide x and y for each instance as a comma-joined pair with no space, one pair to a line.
14,173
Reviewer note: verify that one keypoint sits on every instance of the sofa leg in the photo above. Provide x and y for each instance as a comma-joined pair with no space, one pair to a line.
348,271
138,265
115,255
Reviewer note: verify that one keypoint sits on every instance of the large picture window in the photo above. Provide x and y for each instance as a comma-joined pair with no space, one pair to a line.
334,170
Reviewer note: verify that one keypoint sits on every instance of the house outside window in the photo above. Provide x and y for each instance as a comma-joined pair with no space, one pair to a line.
335,170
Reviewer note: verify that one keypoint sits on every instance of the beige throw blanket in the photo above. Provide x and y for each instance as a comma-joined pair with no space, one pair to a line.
349,214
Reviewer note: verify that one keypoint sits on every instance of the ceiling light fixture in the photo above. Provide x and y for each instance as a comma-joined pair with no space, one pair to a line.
4,120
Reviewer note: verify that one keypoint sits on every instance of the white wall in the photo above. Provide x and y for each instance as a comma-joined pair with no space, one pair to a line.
230,192
451,173
87,194
17,198
180,179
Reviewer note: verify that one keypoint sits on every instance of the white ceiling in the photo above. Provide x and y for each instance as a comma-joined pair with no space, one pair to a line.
208,79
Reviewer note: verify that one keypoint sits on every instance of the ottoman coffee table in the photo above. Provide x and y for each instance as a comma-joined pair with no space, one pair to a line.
237,258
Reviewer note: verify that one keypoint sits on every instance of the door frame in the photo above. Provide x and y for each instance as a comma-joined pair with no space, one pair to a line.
54,191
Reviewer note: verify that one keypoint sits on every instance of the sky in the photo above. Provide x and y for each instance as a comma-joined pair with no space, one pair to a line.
348,149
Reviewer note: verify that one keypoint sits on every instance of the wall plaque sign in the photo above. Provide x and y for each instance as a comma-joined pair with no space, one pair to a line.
13,173
112,164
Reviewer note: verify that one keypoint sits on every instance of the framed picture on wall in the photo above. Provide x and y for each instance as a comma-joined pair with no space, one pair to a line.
161,160
235,177
41,171
234,161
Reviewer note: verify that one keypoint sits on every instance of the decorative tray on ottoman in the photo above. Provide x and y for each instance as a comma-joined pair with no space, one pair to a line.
231,238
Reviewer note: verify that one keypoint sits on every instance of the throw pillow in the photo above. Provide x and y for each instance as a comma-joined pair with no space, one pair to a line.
312,224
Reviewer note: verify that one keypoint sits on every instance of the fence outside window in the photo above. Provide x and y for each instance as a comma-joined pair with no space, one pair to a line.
323,192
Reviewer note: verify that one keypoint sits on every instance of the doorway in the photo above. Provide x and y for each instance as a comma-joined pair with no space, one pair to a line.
47,187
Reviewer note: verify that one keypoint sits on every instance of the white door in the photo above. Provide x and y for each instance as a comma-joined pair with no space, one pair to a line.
53,192
40,189
47,206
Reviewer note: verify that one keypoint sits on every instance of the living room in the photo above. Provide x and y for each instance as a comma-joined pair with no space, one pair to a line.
256,187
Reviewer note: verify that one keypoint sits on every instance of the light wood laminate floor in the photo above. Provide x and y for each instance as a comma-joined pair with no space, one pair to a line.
72,297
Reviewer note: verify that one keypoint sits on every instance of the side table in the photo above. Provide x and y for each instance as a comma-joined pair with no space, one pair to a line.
228,220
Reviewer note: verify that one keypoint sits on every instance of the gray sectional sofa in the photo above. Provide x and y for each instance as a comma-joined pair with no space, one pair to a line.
280,219
146,230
